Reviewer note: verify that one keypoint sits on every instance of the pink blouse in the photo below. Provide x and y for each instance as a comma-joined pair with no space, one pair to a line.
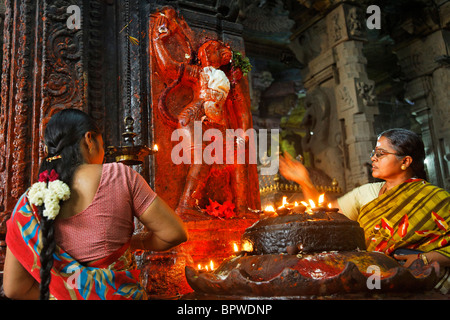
107,223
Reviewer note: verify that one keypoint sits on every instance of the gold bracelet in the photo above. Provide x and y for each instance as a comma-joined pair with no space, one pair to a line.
424,258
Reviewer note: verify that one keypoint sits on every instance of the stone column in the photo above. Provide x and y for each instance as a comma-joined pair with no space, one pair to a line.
427,88
355,98
331,50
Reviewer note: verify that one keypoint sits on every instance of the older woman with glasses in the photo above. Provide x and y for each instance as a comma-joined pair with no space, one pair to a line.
403,216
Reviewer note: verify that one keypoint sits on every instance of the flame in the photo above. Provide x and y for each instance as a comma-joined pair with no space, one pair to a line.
247,246
329,205
235,247
269,209
206,267
295,204
155,147
311,203
304,203
285,201
321,198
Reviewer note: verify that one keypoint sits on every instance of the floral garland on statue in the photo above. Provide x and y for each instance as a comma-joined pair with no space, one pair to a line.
241,62
49,191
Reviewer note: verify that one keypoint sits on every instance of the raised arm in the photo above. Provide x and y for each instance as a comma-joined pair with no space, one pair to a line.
295,171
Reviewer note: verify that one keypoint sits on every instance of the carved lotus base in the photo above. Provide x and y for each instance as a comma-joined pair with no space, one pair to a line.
321,274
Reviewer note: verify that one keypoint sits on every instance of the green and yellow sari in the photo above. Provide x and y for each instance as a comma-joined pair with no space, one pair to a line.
413,215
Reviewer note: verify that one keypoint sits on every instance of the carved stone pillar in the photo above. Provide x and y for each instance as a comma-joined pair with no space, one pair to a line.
427,87
355,98
331,50
45,68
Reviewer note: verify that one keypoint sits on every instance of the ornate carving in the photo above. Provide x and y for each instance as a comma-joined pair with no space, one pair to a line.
42,72
365,92
95,49
19,133
63,77
354,22
4,100
266,17
322,138
346,97
260,82
337,28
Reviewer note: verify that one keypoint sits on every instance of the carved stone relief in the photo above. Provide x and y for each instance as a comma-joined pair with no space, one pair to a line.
365,92
323,136
258,83
338,56
43,71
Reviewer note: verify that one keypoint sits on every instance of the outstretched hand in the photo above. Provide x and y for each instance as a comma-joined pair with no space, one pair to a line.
293,169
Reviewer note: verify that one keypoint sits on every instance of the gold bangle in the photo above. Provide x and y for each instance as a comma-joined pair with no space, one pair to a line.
424,258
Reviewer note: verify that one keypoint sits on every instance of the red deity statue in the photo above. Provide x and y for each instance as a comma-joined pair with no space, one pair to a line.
202,87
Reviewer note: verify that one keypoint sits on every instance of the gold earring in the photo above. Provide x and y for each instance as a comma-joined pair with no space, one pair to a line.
403,167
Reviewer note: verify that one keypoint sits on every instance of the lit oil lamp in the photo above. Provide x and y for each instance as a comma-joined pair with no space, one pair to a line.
330,208
284,208
206,267
269,211
236,251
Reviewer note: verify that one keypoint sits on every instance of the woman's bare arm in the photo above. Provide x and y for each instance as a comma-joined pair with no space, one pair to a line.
17,282
164,226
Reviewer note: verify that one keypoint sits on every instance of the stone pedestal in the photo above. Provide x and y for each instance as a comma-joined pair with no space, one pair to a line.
209,240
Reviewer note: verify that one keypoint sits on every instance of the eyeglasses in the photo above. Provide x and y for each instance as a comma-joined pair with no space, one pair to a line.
380,153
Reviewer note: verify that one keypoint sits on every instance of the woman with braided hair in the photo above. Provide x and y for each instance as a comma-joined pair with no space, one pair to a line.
70,235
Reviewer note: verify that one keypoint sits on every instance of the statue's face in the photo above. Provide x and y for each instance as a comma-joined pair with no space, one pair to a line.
214,54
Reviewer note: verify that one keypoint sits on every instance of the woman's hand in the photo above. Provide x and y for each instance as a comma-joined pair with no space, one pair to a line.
431,256
294,170
408,258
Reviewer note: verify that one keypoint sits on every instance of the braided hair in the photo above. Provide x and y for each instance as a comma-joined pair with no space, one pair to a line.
408,143
62,137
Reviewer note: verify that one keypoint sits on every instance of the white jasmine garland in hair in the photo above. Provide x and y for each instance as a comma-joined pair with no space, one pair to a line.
60,189
49,194
37,192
